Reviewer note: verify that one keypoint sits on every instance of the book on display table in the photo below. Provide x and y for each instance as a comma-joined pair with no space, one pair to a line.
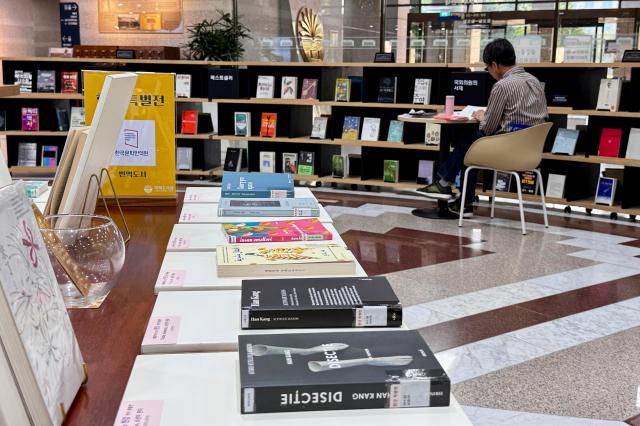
276,231
257,185
202,274
212,194
200,213
269,207
319,302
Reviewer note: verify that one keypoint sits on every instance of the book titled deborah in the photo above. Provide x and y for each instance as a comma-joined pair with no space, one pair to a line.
251,260
276,231
319,303
339,371
269,207
257,185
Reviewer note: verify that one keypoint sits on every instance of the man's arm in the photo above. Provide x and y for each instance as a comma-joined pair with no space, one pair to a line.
495,109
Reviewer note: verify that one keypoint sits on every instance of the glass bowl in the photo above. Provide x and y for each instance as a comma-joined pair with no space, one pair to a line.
95,250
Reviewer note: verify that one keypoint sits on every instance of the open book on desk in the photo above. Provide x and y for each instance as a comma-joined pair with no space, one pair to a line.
465,114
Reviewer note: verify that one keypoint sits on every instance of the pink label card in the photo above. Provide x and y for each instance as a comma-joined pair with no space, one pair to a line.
139,413
192,197
179,242
162,330
189,217
171,278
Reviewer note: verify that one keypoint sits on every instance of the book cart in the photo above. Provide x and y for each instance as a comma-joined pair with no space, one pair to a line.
294,119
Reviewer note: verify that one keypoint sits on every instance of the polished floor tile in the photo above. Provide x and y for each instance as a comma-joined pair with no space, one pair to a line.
480,416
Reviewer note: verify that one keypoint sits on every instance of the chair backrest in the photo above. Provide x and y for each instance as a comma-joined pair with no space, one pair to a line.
516,151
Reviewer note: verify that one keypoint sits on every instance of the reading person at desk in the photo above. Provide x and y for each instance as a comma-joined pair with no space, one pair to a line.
517,101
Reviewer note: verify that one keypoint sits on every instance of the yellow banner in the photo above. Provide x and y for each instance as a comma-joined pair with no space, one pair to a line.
144,162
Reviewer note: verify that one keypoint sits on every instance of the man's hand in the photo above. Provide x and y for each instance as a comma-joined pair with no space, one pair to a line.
478,115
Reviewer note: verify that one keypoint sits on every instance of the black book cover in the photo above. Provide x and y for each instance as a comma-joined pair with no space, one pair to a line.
46,81
3,120
387,90
205,125
470,88
233,159
357,88
339,371
62,117
224,83
319,303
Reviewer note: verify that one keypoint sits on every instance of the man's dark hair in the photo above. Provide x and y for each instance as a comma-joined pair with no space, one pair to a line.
499,51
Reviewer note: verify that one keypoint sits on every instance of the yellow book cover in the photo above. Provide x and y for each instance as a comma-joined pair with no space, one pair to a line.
343,89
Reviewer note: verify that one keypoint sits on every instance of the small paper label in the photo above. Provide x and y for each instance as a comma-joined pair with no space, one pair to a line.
171,278
192,197
410,393
139,413
302,212
278,193
162,330
248,400
189,217
371,316
179,242
244,320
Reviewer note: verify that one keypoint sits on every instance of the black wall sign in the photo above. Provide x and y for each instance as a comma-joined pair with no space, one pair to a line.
69,24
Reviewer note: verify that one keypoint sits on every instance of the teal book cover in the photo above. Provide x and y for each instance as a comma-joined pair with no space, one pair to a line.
395,131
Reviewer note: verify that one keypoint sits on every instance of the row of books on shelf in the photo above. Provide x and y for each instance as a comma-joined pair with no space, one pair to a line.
566,141
30,119
46,81
28,152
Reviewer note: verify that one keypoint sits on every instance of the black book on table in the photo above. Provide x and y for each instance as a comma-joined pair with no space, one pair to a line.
319,303
339,371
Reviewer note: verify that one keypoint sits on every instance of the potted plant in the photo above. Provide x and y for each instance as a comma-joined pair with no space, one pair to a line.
216,40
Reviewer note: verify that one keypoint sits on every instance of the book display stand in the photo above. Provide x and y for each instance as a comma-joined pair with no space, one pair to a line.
99,182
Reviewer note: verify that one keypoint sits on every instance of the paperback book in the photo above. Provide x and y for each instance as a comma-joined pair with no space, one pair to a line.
289,88
610,142
306,163
62,117
343,90
503,182
242,123
69,81
351,128
432,134
49,156
387,89
233,160
24,79
254,260
396,129
27,152
391,171
268,125
184,158
529,182
425,172
77,117
189,122
319,130
224,83
46,82
290,162
30,120
3,120
606,191
339,371
309,89
356,89
35,188
264,88
337,166
565,142
319,303
269,207
370,129
276,231
257,185
267,162
633,144
555,185
609,94
422,91
183,85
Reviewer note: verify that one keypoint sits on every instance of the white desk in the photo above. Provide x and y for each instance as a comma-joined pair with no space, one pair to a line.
203,389
206,237
208,213
209,321
212,194
189,271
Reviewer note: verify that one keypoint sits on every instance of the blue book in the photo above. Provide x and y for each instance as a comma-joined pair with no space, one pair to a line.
606,192
565,142
269,207
257,185
395,131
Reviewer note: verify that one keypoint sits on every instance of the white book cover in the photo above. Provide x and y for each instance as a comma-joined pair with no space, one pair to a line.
370,129
27,152
267,162
208,213
609,94
422,91
182,314
290,163
184,158
289,89
555,185
212,194
77,117
35,330
204,389
633,145
319,130
190,270
183,85
432,133
264,89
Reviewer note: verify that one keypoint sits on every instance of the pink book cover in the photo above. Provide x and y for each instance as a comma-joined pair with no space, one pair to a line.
30,119
309,89
610,142
276,231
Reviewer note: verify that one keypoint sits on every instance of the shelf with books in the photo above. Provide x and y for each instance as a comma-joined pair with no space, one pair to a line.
615,208
196,172
381,105
341,142
593,159
37,95
205,136
9,90
525,197
192,100
370,182
20,171
33,133
555,65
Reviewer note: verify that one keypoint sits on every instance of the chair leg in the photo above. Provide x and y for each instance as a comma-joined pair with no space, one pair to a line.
493,197
462,197
544,203
519,187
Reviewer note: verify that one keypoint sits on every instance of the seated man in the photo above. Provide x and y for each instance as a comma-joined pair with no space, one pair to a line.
517,100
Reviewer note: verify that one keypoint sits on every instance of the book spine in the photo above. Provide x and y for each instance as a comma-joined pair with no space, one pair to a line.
352,396
271,239
248,212
256,194
354,317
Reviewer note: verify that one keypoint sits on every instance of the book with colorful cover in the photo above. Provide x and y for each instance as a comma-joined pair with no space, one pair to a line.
276,231
289,88
391,171
294,259
242,123
306,163
189,122
24,79
529,182
269,207
49,157
606,191
268,125
610,142
351,128
343,90
46,82
309,89
30,120
290,162
69,81
257,185
396,129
